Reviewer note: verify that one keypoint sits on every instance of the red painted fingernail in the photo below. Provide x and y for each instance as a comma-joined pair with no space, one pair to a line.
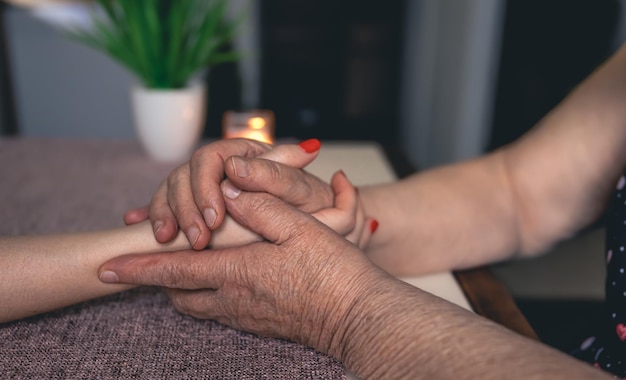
374,225
310,145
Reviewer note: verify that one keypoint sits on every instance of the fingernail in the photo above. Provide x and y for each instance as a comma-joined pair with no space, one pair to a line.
229,190
193,234
310,145
109,277
241,167
209,216
374,225
157,226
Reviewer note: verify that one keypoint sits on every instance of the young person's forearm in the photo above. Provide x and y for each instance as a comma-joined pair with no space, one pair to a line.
399,332
43,273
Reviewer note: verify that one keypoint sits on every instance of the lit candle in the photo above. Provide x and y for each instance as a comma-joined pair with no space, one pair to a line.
255,125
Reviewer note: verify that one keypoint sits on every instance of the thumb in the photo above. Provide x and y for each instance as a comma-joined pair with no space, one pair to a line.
294,155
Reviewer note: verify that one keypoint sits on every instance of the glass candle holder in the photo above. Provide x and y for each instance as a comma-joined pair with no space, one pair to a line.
254,124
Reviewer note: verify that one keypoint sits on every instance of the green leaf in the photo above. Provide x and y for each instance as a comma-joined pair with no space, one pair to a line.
206,33
163,42
176,36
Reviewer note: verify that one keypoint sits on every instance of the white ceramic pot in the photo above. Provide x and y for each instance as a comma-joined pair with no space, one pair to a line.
169,122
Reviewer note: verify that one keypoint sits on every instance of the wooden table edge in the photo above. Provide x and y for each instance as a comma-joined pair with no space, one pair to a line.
485,293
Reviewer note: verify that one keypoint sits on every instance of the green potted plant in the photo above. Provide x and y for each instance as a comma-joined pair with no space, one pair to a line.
168,45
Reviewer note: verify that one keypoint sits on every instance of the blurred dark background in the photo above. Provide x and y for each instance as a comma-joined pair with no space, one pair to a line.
329,69
548,47
332,69
340,70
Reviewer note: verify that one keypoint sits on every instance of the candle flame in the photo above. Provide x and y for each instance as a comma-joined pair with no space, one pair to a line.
256,123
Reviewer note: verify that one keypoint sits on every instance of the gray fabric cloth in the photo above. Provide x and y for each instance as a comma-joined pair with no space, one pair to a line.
52,186
138,335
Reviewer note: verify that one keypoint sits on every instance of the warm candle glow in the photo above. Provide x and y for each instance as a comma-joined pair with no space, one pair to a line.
256,123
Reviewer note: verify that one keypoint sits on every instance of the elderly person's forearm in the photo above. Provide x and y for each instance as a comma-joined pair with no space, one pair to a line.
395,331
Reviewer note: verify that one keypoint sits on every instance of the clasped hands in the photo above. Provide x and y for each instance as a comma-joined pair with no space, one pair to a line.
286,265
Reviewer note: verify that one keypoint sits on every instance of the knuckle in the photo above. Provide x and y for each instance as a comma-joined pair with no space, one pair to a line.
202,197
274,171
199,155
306,189
313,193
254,148
295,183
167,275
177,177
264,205
168,270
294,230
302,230
270,209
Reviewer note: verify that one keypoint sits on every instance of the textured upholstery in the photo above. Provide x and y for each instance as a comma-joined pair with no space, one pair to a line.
51,186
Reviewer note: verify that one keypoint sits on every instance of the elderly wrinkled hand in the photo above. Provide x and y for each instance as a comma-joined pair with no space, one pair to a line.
190,196
299,283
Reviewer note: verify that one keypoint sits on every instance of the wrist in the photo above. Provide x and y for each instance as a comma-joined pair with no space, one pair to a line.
361,329
330,314
376,336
